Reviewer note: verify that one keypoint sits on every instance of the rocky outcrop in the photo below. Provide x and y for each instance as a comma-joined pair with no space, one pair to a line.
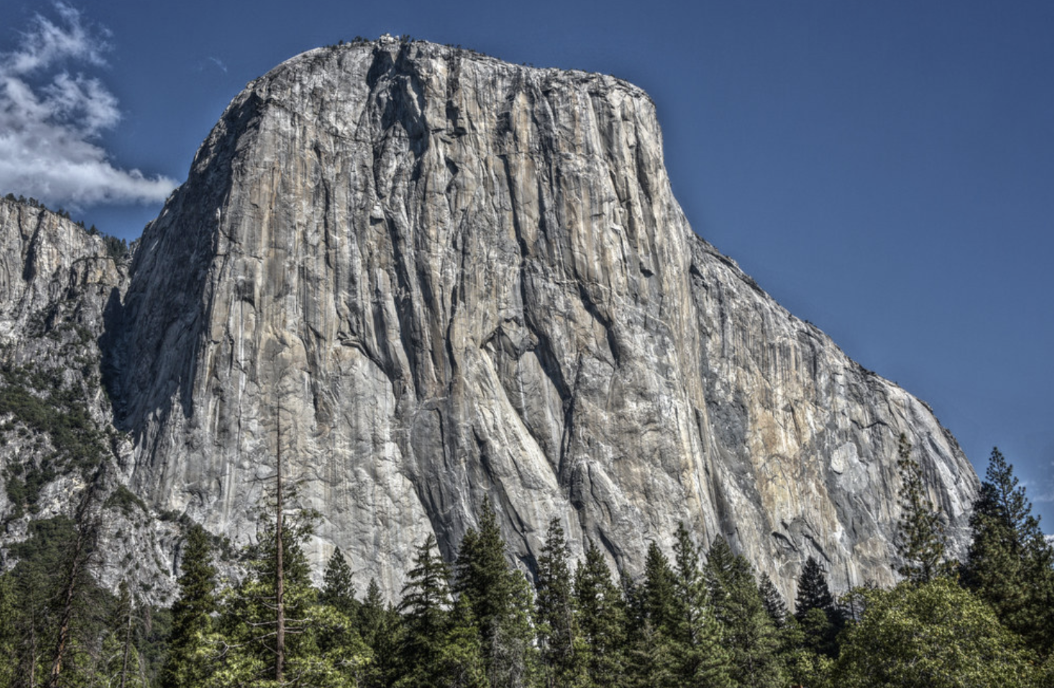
432,277
60,303
51,271
429,277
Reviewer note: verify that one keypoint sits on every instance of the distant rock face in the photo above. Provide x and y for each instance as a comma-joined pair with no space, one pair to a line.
60,306
432,277
47,263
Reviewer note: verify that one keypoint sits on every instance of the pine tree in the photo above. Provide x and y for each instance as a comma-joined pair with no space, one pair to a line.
500,603
701,659
482,573
921,542
460,659
338,590
425,605
9,623
185,666
773,601
120,664
748,631
813,592
601,619
441,645
651,652
658,590
373,615
244,645
555,610
380,629
1009,564
337,620
651,659
76,586
36,584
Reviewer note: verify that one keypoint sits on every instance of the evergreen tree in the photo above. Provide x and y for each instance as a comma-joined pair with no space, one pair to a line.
658,591
748,631
120,665
380,629
818,617
701,659
73,623
244,646
601,619
186,665
424,606
651,653
441,645
921,540
9,623
461,653
499,599
1009,564
555,610
338,590
773,601
651,659
813,592
481,572
338,620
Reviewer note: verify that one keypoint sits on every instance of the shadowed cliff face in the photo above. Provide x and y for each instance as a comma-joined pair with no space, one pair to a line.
452,277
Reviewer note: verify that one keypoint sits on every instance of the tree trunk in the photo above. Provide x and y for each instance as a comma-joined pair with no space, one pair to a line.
127,645
279,572
79,558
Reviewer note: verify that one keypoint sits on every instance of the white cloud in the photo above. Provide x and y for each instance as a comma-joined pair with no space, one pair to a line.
50,119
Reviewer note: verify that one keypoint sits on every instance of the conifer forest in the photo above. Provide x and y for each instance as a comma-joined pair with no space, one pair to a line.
700,618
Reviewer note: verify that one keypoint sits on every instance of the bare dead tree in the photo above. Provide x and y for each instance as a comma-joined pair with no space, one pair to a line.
86,529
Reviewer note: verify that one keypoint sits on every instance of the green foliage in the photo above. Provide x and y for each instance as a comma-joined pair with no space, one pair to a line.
929,634
657,594
682,624
773,601
39,401
439,647
700,656
500,601
50,594
123,499
818,617
600,615
651,650
749,633
115,248
191,614
9,629
120,662
1009,564
921,539
813,592
242,647
381,631
338,590
554,604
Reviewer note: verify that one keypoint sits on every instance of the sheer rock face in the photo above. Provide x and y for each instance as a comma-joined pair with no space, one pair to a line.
430,276
60,305
50,265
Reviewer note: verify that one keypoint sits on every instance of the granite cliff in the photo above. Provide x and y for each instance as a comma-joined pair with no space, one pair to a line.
430,277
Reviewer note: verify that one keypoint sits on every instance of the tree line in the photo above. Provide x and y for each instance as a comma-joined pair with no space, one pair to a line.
703,618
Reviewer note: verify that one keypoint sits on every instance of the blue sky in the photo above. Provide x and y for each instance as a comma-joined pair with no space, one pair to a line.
883,169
